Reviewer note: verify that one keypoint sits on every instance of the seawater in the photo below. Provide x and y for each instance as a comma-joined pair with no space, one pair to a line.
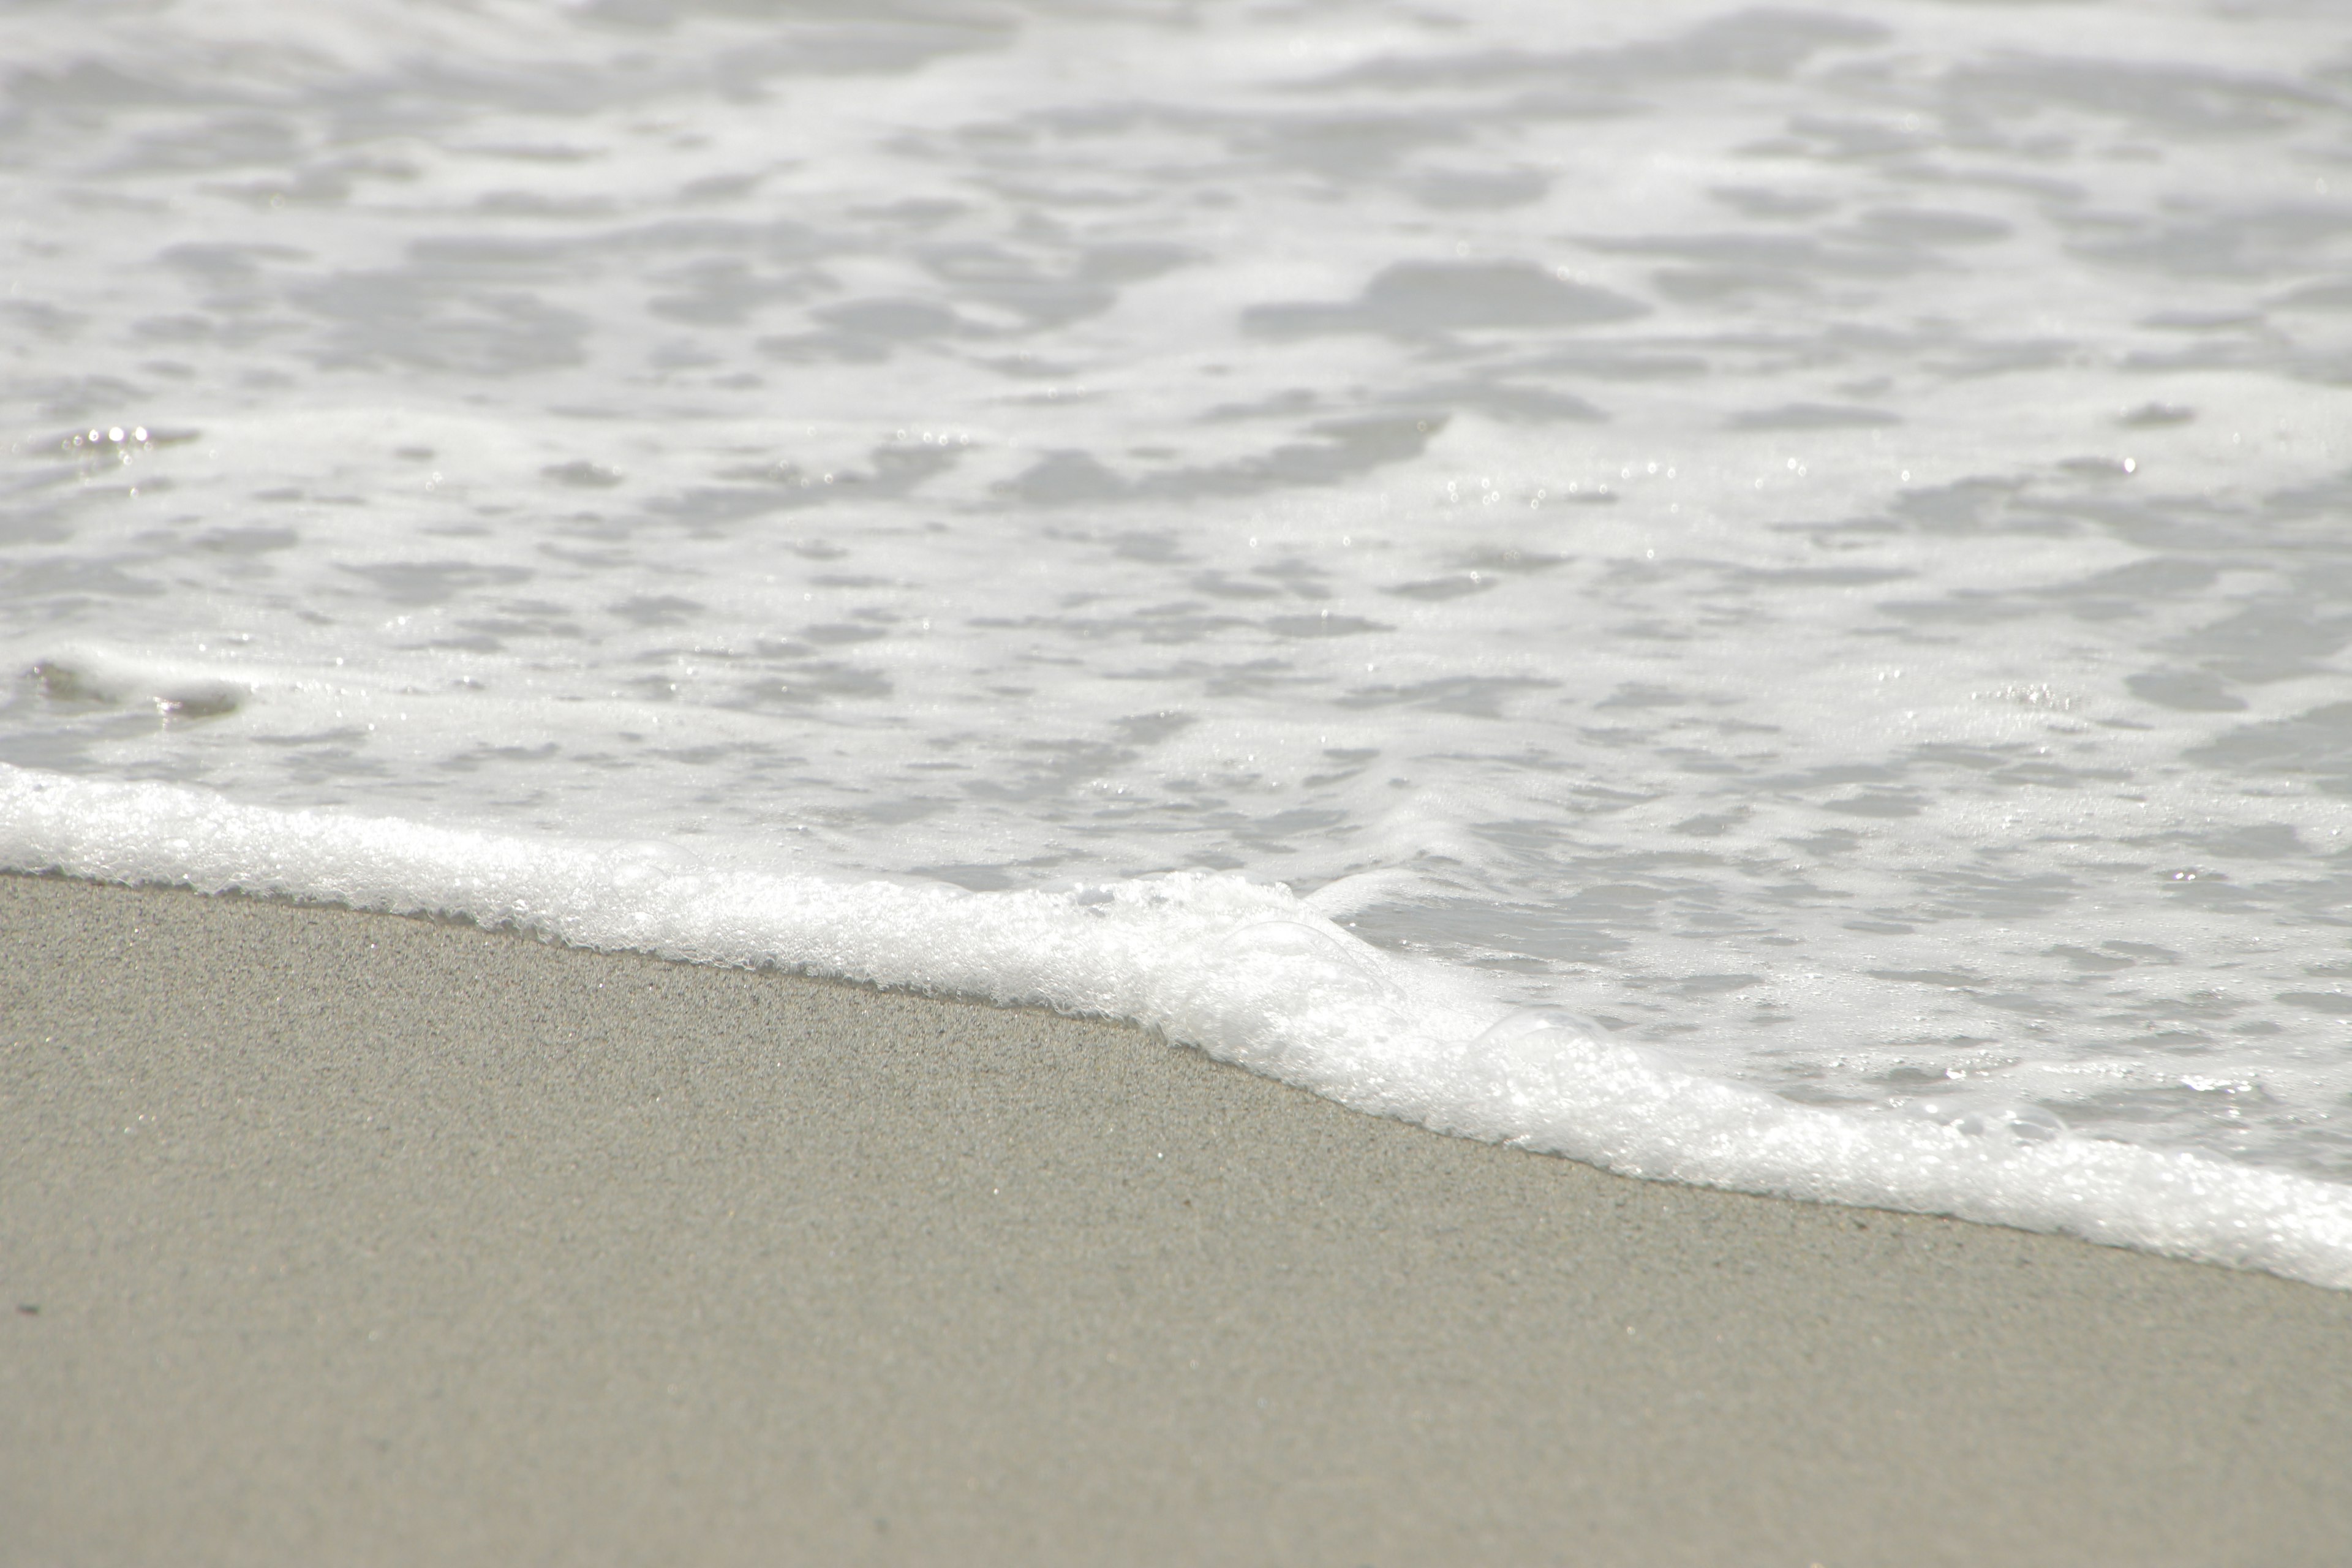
1757,596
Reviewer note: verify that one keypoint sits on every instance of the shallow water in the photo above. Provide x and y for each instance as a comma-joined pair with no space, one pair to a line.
1819,538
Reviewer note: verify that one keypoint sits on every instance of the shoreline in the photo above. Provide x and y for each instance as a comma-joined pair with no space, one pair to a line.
362,1237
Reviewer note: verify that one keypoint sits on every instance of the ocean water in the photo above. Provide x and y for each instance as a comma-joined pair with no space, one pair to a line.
1755,595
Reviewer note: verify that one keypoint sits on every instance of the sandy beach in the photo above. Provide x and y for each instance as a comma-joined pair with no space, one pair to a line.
339,1237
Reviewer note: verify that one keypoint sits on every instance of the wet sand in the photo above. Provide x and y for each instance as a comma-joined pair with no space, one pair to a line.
336,1237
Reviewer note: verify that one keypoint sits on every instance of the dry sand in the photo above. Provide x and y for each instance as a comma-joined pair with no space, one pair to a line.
340,1239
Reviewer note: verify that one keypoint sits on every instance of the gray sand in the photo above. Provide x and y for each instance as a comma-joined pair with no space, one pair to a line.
331,1238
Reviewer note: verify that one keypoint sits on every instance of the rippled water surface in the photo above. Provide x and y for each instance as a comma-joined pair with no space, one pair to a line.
1819,537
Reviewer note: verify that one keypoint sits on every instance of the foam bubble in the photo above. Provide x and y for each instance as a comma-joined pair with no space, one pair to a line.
86,676
1999,1122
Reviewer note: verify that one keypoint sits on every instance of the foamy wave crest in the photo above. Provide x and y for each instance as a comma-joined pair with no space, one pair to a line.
1246,973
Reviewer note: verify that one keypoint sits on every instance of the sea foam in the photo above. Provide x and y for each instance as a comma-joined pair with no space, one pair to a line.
1247,972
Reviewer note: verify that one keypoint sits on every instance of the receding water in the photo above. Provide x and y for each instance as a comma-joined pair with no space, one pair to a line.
1819,538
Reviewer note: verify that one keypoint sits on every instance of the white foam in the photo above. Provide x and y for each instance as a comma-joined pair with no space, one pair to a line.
1246,973
1897,665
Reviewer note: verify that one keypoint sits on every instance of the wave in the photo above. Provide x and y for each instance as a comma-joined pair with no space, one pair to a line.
1248,973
